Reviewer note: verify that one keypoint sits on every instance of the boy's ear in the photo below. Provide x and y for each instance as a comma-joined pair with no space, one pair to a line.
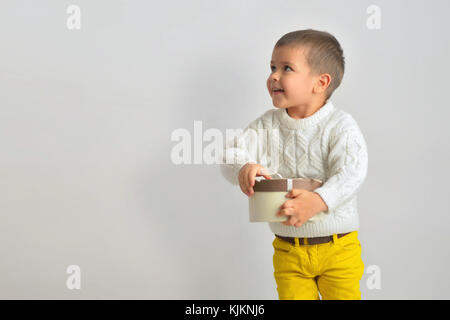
322,82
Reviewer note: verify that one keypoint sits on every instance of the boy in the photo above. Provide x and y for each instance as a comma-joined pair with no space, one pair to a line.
314,140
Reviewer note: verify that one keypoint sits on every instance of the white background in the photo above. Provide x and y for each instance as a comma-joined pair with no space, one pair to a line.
86,118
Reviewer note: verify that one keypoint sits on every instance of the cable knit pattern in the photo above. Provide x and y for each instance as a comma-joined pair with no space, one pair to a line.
328,145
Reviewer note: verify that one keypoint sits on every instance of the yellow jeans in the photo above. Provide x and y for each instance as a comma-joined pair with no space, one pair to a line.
334,269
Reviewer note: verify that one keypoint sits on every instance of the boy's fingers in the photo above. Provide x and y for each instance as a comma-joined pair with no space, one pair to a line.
241,181
296,192
262,172
265,173
247,178
244,183
287,204
247,182
291,221
241,184
251,180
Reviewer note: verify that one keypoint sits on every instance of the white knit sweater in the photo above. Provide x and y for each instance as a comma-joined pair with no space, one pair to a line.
328,145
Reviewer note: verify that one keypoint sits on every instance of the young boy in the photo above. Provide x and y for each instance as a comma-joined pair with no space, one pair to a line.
314,140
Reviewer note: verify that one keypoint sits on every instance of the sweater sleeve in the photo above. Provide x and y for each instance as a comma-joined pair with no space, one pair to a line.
247,146
348,164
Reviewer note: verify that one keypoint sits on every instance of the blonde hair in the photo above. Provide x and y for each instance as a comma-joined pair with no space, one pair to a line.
323,54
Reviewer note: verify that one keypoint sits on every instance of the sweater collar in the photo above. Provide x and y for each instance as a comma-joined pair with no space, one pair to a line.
315,118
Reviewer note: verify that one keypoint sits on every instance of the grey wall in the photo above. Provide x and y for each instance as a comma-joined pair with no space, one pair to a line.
86,118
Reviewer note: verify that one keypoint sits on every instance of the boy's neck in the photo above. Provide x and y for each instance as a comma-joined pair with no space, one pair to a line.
304,111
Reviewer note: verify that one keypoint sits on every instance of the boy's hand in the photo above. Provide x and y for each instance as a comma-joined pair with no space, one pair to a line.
303,206
247,176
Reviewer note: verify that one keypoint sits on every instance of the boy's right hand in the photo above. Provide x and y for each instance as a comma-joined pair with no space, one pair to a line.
247,176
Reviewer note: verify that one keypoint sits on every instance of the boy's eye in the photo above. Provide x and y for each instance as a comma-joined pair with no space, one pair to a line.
271,67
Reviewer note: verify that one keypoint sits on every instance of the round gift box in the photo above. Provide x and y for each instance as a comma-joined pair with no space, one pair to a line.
270,194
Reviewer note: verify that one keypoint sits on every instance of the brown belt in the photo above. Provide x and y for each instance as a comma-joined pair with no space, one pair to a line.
315,240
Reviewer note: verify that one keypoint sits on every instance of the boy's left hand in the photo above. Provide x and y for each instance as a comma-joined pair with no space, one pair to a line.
302,206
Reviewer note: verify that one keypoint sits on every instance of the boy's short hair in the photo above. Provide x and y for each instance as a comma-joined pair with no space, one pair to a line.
323,54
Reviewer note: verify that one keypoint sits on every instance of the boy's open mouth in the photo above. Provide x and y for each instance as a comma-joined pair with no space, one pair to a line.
277,91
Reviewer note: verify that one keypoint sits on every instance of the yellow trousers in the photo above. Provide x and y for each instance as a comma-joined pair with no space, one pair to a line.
334,269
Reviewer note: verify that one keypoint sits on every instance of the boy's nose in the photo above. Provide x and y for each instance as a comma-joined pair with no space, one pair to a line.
274,77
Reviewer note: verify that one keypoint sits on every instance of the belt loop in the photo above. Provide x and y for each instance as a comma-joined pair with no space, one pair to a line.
335,238
297,244
305,241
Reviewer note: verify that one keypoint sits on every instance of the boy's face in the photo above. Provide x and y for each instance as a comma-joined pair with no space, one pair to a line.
290,72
